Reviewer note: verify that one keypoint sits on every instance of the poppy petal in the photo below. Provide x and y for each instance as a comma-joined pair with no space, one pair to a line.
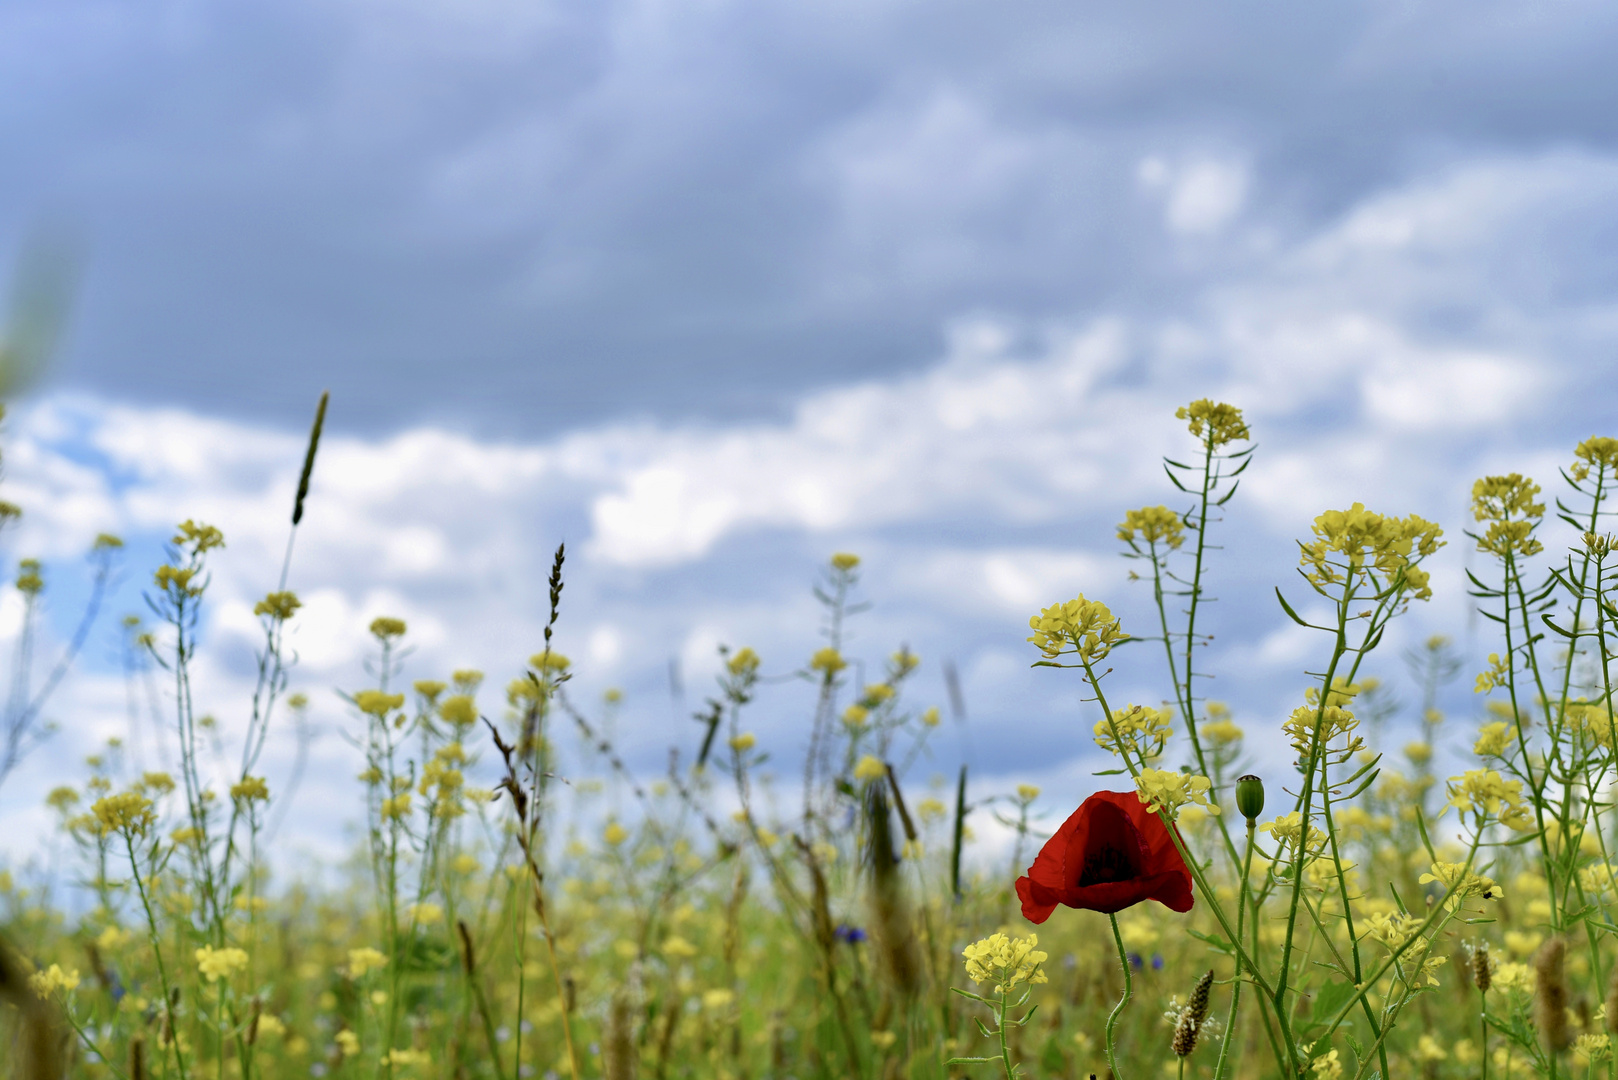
1037,901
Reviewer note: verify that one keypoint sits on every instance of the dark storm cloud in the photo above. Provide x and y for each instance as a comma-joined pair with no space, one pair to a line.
530,216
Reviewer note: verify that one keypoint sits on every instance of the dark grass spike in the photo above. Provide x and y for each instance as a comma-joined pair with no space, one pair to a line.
309,458
960,830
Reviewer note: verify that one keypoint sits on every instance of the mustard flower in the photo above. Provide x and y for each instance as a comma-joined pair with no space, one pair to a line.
1485,791
1506,498
408,1057
396,807
460,710
1027,792
175,581
678,947
1288,830
1214,423
347,1042
1136,729
1152,524
1327,1067
1221,732
743,662
845,561
828,661
743,742
1084,627
1592,1049
429,689
876,695
1598,450
279,606
216,964
1391,929
870,768
158,783
1351,543
1493,739
250,788
62,798
549,662
200,538
931,716
930,809
29,581
384,628
1161,789
718,999
1005,961
1499,674
1460,883
52,980
376,703
615,834
129,812
363,960
856,716
1333,723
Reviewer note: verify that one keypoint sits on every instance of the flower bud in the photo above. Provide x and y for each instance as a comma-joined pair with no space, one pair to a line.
1250,797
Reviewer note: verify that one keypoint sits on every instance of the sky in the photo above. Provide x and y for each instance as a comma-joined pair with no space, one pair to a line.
712,290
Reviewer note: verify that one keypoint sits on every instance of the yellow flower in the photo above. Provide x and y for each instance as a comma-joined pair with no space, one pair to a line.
464,863
1221,732
270,1024
1287,830
460,710
1333,722
53,979
931,716
216,964
743,662
158,783
250,788
173,580
347,1042
1506,498
930,809
876,695
429,689
855,716
426,913
1419,753
197,536
396,807
1362,541
278,606
1486,791
1499,674
129,812
828,661
615,834
1493,739
1327,1067
1429,1049
1152,524
1461,883
362,960
718,999
1084,627
1214,423
1593,1048
1027,792
1161,789
376,703
678,947
845,561
549,662
870,768
1138,729
1005,961
743,742
1597,450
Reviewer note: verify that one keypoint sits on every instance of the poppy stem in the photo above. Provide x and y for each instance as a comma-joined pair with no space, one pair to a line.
1118,1009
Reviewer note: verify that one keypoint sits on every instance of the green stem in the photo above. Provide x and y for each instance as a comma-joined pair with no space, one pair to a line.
157,952
1236,982
1117,1010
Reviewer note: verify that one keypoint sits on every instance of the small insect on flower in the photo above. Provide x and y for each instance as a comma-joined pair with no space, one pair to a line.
1110,854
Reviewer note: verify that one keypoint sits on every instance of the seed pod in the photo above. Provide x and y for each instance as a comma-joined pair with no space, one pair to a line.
1482,968
1550,995
1250,797
1192,1016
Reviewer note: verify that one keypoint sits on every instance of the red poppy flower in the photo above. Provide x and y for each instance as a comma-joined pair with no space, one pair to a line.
1111,854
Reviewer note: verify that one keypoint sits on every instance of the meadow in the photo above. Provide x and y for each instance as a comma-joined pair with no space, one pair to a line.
1359,916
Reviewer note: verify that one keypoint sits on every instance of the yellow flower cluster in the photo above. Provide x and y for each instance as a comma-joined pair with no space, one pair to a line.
396,807
461,710
1152,524
1392,930
279,606
1139,730
743,662
1460,883
1507,503
250,788
400,1058
1363,542
174,581
1493,739
53,979
363,960
384,628
127,812
1005,961
376,703
1288,828
1598,450
870,768
1085,627
198,537
1214,423
1333,722
216,964
827,661
29,580
845,561
1161,789
1486,791
1499,674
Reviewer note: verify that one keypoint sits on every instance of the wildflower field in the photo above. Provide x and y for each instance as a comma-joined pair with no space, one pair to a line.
1353,915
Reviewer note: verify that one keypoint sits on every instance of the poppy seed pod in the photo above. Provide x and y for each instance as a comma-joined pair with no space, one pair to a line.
1250,797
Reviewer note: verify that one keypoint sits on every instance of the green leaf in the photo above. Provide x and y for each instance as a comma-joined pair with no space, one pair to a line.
1329,1001
970,1061
1286,607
